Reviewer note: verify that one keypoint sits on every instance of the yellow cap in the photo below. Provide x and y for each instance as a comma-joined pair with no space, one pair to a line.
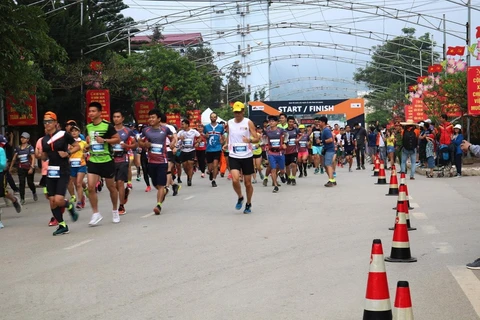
302,126
238,106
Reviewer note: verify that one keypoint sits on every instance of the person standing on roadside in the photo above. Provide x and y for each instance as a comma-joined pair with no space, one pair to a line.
409,151
360,139
457,139
25,155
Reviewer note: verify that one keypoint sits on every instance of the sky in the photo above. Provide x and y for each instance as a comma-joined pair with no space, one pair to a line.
316,48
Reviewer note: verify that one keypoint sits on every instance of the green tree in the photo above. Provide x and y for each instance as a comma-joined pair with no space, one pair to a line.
387,104
236,91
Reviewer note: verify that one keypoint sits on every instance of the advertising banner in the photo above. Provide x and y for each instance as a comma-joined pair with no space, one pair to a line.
174,119
141,110
473,91
101,96
195,117
29,119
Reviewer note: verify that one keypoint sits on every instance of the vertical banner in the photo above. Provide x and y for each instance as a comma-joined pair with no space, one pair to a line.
16,119
195,117
408,112
141,111
173,119
102,97
473,91
418,109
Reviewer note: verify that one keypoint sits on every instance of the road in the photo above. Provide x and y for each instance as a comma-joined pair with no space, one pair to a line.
302,254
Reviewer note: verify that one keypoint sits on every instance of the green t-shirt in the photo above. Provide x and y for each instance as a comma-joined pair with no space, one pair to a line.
100,152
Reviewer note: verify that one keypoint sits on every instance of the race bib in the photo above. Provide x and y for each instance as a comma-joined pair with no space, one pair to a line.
291,142
117,148
75,162
303,144
255,147
275,143
201,144
156,148
23,158
188,143
53,172
239,148
98,147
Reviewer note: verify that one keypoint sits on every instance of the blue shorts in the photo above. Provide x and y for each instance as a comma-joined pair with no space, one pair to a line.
390,149
317,150
276,162
77,170
328,158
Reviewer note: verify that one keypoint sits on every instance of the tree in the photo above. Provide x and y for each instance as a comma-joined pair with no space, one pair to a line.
236,91
386,105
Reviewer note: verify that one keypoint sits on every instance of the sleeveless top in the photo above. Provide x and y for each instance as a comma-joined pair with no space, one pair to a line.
236,147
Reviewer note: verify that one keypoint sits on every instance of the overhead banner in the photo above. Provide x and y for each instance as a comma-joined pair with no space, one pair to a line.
14,118
102,97
473,91
349,111
141,111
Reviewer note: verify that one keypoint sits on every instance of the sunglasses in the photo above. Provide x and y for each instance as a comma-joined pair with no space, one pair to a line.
48,121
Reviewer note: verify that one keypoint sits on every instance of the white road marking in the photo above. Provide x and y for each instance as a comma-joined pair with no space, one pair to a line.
414,205
419,215
188,198
148,215
469,284
78,244
430,230
410,198
443,247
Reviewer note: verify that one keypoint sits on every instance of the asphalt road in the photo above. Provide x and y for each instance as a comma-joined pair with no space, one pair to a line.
302,254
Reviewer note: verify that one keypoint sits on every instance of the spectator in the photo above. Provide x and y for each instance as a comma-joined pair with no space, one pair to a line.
430,154
24,154
410,143
382,150
457,141
475,151
446,131
398,142
390,141
422,144
360,138
372,143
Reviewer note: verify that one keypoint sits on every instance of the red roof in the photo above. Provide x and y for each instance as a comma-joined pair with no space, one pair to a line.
185,39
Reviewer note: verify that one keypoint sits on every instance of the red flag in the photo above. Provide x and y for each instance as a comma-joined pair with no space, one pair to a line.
478,33
460,50
437,68
451,51
431,69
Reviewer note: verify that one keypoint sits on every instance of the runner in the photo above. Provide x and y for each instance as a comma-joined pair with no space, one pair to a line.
78,167
121,157
170,158
55,148
257,155
329,150
276,140
316,142
100,136
291,153
241,133
25,154
348,144
3,185
189,138
136,154
303,153
154,139
214,134
200,148
282,121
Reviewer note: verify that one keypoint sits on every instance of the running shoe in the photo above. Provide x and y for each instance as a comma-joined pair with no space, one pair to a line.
261,175
214,184
334,174
129,186
22,202
475,265
229,177
283,178
363,167
53,222
61,230
175,189
222,175
96,218
157,210
1,225
179,180
248,208
79,205
73,213
294,182
275,189
265,181
202,175
17,205
239,204
148,189
329,184
73,199
121,210
35,197
210,176
321,170
301,174
305,173
127,192
316,171
289,181
139,178
115,216
189,182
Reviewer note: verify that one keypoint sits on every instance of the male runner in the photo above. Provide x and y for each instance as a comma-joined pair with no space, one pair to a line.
241,134
122,158
316,142
170,157
291,153
329,153
348,143
276,140
154,139
282,121
214,134
100,136
55,148
188,137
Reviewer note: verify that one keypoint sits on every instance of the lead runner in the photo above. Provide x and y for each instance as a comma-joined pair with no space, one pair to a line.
241,135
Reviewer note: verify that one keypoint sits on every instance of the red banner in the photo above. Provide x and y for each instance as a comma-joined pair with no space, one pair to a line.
195,117
473,90
15,119
415,111
173,119
452,110
141,111
103,97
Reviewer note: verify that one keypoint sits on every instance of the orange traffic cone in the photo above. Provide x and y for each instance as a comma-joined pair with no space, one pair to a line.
403,302
374,161
402,190
377,305
393,189
403,180
400,243
403,207
376,169
382,179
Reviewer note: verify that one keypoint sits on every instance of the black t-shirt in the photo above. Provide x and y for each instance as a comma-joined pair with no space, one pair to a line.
51,144
317,134
360,136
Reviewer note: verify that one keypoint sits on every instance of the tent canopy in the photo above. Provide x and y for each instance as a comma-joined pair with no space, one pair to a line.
206,117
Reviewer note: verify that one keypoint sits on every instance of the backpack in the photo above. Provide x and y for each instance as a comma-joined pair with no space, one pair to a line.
410,140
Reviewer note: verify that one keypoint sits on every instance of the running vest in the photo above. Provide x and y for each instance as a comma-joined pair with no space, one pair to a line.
236,147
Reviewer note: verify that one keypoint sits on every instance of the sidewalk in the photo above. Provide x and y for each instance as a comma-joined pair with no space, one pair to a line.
467,169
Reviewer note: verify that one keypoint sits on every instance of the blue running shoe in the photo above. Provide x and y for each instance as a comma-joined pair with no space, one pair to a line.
239,204
248,208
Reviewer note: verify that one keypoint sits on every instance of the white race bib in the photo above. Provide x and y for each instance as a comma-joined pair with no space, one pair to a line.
156,148
75,162
117,148
303,144
291,142
188,143
98,147
23,158
275,143
239,148
201,144
53,172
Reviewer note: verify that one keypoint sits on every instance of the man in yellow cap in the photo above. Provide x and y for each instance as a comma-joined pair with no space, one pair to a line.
241,135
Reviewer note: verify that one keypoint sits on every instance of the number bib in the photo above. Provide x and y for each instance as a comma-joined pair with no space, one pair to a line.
98,147
239,148
23,158
75,162
201,144
156,148
117,148
53,172
291,142
188,143
275,143
303,144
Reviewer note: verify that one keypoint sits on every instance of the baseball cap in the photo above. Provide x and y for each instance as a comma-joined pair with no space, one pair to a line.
3,141
71,122
428,121
238,106
51,115
25,135
302,126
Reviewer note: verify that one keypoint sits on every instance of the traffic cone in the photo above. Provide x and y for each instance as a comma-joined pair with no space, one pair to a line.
403,302
376,169
400,243
393,189
402,190
403,207
377,305
382,179
403,180
374,161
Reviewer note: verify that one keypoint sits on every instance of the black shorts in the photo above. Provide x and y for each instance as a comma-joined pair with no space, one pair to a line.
245,166
310,151
105,170
256,156
58,186
3,184
121,171
212,156
264,155
291,158
349,152
170,156
158,173
188,156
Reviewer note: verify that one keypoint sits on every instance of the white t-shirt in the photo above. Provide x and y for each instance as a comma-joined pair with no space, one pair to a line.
188,139
236,131
172,128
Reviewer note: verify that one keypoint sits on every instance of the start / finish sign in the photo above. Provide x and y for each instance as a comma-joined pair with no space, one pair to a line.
339,111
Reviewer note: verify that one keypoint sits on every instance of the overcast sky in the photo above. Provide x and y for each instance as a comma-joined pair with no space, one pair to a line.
320,70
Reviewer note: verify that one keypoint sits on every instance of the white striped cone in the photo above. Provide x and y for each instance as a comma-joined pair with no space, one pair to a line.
403,302
400,242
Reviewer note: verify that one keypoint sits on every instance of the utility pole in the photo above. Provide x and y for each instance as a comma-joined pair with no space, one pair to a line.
469,23
129,44
81,71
